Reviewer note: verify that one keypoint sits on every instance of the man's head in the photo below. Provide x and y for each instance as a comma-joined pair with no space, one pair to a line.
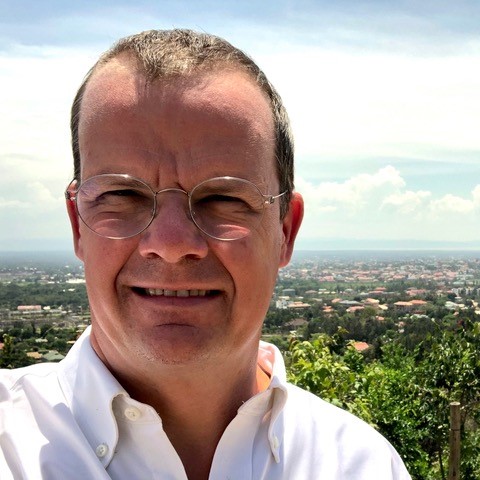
170,54
173,293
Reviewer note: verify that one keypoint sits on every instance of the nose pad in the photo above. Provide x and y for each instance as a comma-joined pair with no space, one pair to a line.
162,200
172,234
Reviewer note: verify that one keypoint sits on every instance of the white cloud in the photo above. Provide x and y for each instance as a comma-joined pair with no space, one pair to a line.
476,196
452,204
42,197
37,86
8,204
357,105
380,206
407,202
354,194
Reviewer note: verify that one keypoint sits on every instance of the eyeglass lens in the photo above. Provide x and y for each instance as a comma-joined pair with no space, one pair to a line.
116,206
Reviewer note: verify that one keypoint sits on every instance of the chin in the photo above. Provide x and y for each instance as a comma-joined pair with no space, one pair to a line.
185,349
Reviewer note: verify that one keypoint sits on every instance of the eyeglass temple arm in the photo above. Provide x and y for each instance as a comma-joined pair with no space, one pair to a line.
269,199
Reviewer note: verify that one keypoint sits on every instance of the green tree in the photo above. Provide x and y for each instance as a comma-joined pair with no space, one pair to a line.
317,368
12,357
405,394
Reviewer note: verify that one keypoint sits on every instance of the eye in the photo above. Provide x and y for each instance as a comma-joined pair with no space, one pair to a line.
220,197
119,193
225,202
123,193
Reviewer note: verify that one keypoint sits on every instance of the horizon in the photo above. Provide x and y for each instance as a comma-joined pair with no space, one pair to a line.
6,254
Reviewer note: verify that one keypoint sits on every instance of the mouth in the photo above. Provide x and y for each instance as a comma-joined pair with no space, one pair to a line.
163,292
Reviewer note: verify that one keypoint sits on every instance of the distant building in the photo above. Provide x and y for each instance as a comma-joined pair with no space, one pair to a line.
35,355
360,346
29,308
419,305
415,292
349,303
296,323
282,303
403,306
452,305
355,308
298,305
53,356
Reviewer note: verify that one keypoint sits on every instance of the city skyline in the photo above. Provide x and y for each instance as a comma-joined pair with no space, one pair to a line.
384,100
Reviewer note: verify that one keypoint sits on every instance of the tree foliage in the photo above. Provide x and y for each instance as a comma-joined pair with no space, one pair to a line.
405,394
55,295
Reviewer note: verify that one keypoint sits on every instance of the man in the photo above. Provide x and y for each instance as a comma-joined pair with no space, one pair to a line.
182,210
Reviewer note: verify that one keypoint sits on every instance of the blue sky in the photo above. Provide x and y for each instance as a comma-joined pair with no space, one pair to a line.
384,99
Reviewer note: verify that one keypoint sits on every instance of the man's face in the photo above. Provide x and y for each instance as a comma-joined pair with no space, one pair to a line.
178,134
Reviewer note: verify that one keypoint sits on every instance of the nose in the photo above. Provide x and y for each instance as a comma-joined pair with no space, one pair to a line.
172,235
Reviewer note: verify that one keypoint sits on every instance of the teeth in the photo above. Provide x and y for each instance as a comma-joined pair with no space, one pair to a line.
157,292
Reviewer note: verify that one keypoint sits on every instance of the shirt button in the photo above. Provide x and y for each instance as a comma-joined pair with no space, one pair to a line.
132,413
101,450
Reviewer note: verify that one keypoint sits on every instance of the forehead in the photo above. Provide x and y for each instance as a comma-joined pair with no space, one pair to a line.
120,85
196,115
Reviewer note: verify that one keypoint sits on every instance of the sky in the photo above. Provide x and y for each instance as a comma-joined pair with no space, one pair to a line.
383,96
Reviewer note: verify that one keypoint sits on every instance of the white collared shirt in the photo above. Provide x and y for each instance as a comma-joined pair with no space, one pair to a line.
73,420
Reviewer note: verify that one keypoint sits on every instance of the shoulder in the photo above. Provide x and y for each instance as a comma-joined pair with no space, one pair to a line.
17,380
11,376
314,413
339,438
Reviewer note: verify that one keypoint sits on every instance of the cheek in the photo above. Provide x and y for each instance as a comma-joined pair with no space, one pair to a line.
253,264
103,259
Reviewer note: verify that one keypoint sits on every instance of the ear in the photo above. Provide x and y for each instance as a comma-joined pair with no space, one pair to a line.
290,225
75,224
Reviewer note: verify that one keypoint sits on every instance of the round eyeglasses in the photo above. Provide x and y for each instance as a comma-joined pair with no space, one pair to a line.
120,206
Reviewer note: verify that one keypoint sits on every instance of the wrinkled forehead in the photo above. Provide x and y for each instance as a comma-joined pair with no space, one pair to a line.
120,85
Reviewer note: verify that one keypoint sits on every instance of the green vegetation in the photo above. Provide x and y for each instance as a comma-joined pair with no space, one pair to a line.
27,338
405,393
55,295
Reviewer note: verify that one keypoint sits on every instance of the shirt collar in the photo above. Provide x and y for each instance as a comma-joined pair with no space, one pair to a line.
89,388
270,360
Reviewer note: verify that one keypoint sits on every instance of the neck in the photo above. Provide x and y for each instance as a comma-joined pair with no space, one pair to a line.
196,405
